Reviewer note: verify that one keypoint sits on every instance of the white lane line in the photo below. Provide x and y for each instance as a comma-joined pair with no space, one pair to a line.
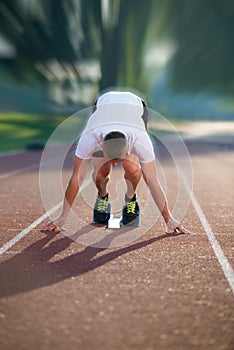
23,233
11,153
28,167
222,259
19,171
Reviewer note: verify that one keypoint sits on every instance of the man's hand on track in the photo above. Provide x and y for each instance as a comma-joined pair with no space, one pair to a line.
173,226
54,226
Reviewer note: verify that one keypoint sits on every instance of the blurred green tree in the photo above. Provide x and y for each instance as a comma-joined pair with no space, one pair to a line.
203,32
117,33
112,31
38,33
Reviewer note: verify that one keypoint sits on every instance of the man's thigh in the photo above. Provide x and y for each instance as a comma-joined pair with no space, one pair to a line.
102,166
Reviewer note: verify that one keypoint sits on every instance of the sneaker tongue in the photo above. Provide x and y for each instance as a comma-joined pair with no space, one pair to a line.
105,197
133,199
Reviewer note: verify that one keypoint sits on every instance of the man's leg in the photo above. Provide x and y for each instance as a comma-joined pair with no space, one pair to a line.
101,213
131,209
132,174
101,175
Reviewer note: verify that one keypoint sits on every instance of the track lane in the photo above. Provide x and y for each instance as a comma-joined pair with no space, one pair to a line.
17,161
157,293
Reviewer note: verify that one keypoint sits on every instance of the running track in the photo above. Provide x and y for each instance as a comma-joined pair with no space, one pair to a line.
159,292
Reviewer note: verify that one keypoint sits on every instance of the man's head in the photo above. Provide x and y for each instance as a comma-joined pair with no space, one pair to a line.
115,145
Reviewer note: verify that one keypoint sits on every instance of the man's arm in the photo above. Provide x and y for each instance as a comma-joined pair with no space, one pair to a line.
80,169
150,176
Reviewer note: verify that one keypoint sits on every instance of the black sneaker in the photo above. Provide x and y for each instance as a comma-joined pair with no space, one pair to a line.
101,211
131,211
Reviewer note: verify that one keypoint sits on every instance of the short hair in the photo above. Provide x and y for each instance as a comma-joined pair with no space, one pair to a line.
115,143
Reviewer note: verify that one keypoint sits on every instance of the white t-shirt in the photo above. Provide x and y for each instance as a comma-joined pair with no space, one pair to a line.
117,111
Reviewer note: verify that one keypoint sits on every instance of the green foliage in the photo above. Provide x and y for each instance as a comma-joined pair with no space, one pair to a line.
120,39
39,33
118,33
114,32
204,34
17,130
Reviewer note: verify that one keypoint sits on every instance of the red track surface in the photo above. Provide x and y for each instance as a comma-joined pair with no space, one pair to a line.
159,292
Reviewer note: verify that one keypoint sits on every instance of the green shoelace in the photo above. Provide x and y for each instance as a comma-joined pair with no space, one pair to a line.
102,204
131,206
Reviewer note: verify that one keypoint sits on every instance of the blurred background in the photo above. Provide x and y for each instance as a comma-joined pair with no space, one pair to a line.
57,55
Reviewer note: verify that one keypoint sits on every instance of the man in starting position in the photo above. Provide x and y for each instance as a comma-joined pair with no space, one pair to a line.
116,132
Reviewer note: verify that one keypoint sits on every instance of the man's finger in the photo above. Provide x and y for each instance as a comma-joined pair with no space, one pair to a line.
47,225
178,229
181,229
50,226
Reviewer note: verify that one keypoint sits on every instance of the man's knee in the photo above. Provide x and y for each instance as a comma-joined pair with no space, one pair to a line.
131,165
